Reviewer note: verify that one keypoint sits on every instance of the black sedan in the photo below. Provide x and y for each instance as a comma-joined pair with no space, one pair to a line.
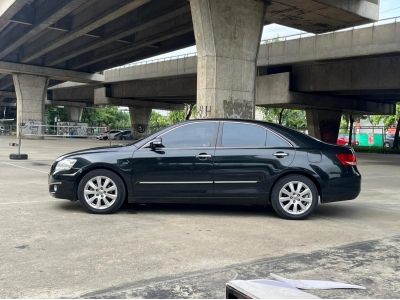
213,161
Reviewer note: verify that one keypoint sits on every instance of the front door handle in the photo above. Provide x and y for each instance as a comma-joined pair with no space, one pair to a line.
203,156
280,154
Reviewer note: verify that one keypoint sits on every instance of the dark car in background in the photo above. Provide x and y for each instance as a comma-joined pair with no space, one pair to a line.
123,135
389,140
215,161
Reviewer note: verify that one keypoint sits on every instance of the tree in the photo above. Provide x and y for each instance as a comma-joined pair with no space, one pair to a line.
293,118
108,116
56,114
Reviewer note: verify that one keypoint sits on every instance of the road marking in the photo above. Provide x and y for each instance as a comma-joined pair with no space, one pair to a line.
36,170
26,202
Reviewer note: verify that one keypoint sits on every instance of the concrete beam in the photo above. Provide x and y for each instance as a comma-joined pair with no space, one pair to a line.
79,62
60,10
156,89
8,104
83,28
66,103
52,60
100,98
169,68
273,91
8,8
7,94
67,75
320,16
363,75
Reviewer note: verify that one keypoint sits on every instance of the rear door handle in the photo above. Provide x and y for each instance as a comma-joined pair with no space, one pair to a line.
280,154
203,156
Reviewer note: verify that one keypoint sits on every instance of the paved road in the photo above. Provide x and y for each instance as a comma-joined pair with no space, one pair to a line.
52,248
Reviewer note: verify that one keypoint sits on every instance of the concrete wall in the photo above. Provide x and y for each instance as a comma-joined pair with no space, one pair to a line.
375,40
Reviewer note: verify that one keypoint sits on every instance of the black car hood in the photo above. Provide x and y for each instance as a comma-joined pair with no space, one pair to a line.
115,148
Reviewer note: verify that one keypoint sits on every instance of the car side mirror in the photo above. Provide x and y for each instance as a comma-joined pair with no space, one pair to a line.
156,143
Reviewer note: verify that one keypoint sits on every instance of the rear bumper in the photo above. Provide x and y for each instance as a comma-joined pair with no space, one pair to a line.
341,189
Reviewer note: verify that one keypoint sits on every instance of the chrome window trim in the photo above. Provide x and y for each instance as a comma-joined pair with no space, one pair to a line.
235,181
200,182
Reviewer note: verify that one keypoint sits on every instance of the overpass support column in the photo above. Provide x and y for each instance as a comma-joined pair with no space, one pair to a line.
140,120
324,124
228,34
74,113
31,95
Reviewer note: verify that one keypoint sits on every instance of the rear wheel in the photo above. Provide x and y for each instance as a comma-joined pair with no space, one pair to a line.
294,197
101,192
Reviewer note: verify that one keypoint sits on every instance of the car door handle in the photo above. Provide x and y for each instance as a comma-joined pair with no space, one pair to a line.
280,154
203,156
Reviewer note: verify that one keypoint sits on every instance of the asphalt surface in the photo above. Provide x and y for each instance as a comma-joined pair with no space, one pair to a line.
52,248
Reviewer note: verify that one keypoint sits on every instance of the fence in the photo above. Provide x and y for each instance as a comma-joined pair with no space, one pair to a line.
79,131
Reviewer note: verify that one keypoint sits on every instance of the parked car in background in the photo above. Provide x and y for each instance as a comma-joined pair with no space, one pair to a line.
124,135
343,140
109,135
389,140
214,161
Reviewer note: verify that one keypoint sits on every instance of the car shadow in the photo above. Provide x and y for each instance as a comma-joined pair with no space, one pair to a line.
326,211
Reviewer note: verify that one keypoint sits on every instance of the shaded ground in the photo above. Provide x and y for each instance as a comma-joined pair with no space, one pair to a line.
373,264
52,248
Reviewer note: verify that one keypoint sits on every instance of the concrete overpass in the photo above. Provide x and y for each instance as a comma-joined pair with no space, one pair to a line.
44,42
353,71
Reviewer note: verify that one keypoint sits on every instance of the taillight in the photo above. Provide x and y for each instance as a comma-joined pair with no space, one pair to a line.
347,159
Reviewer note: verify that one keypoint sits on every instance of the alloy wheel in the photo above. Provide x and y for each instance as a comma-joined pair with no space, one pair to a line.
100,192
295,197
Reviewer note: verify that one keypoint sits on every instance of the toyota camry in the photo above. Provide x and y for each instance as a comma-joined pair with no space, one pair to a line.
215,161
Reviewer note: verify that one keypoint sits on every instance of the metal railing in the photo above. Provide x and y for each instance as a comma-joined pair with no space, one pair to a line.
308,34
54,130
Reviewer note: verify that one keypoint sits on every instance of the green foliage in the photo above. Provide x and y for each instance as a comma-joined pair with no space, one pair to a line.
288,117
56,113
157,120
108,116
388,121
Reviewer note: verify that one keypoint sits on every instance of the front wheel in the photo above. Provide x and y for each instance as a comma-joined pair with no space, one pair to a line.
101,192
294,197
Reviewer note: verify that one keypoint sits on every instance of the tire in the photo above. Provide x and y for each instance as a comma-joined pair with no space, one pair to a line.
18,156
294,208
97,200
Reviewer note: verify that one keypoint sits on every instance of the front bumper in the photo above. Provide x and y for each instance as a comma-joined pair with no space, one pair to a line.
63,186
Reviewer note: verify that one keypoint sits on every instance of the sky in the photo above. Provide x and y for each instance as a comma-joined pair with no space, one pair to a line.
388,9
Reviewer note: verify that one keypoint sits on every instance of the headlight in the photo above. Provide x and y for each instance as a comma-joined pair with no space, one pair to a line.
65,164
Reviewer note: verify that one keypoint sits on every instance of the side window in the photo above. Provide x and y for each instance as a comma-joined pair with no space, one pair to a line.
191,136
243,135
275,141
